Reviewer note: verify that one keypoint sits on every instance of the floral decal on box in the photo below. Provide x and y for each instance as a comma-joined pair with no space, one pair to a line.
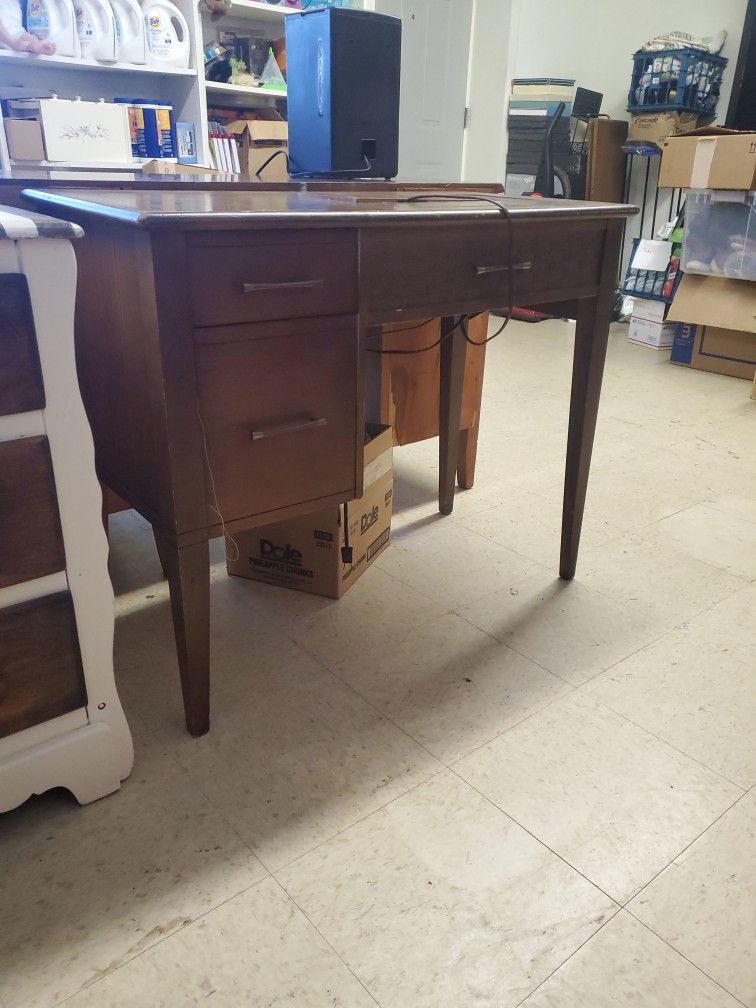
85,132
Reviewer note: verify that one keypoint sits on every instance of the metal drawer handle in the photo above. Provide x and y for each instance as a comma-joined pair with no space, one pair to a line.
289,428
256,288
485,270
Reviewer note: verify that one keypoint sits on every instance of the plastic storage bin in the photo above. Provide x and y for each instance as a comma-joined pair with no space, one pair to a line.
675,80
720,234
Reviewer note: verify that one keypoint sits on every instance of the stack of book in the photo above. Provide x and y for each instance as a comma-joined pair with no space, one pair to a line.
533,102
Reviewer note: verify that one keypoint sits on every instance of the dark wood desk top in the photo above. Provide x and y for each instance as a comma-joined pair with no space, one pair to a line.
116,178
202,209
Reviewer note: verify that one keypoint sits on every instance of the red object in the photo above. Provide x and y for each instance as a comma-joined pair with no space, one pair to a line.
529,315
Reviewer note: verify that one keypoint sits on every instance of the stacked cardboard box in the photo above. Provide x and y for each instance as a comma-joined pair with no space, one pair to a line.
531,106
648,325
305,553
720,311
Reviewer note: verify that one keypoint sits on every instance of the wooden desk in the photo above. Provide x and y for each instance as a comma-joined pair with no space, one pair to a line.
223,349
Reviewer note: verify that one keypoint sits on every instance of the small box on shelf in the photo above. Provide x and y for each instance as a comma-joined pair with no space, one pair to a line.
25,141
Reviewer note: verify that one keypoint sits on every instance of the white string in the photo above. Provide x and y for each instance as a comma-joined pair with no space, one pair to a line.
228,538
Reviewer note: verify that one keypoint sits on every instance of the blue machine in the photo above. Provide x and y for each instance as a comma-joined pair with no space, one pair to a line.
343,69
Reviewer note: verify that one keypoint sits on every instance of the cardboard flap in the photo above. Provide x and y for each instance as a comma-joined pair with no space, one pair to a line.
259,129
713,131
715,301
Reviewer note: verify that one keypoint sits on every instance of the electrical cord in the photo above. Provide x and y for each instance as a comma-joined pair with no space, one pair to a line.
278,153
359,172
465,319
396,352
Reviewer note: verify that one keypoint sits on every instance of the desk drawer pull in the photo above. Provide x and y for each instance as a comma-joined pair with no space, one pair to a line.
283,285
485,270
290,428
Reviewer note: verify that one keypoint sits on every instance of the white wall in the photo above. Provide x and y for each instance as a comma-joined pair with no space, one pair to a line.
592,41
488,82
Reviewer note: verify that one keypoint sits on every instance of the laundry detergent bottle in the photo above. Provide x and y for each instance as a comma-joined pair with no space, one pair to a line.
167,34
95,23
130,31
54,21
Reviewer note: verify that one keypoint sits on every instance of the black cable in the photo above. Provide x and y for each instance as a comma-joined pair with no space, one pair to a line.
425,349
278,153
479,198
347,553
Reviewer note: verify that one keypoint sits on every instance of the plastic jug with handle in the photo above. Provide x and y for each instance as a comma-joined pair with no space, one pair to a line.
97,34
130,31
167,34
54,21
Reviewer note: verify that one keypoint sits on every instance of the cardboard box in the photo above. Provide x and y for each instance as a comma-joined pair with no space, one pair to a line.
24,139
723,351
305,553
709,158
721,336
655,127
257,139
648,310
659,335
161,166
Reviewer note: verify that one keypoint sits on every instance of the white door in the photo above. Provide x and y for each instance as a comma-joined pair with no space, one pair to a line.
435,59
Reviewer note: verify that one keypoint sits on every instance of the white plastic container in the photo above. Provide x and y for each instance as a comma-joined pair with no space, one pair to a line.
130,31
95,23
54,21
167,34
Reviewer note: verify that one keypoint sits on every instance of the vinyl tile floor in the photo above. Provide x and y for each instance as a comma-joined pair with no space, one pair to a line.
466,784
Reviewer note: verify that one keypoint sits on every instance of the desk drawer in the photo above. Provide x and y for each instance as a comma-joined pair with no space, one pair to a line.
285,278
280,418
31,541
41,675
21,387
468,269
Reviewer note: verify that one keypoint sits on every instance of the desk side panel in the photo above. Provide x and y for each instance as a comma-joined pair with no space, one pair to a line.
119,366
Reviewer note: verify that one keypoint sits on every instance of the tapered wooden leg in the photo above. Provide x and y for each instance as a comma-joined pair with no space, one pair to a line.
468,453
450,410
189,582
475,363
162,550
591,335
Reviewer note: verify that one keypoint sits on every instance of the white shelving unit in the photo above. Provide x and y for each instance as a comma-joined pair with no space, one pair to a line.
25,76
18,63
22,75
247,17
253,96
259,11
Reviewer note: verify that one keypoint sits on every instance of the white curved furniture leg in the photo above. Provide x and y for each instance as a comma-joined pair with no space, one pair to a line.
89,751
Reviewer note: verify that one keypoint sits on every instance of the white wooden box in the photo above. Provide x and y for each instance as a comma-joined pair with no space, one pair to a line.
82,131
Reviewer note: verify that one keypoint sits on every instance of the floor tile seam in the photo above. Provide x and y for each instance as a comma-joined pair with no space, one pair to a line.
666,742
688,960
683,851
711,502
582,945
523,720
357,822
171,934
315,927
539,840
